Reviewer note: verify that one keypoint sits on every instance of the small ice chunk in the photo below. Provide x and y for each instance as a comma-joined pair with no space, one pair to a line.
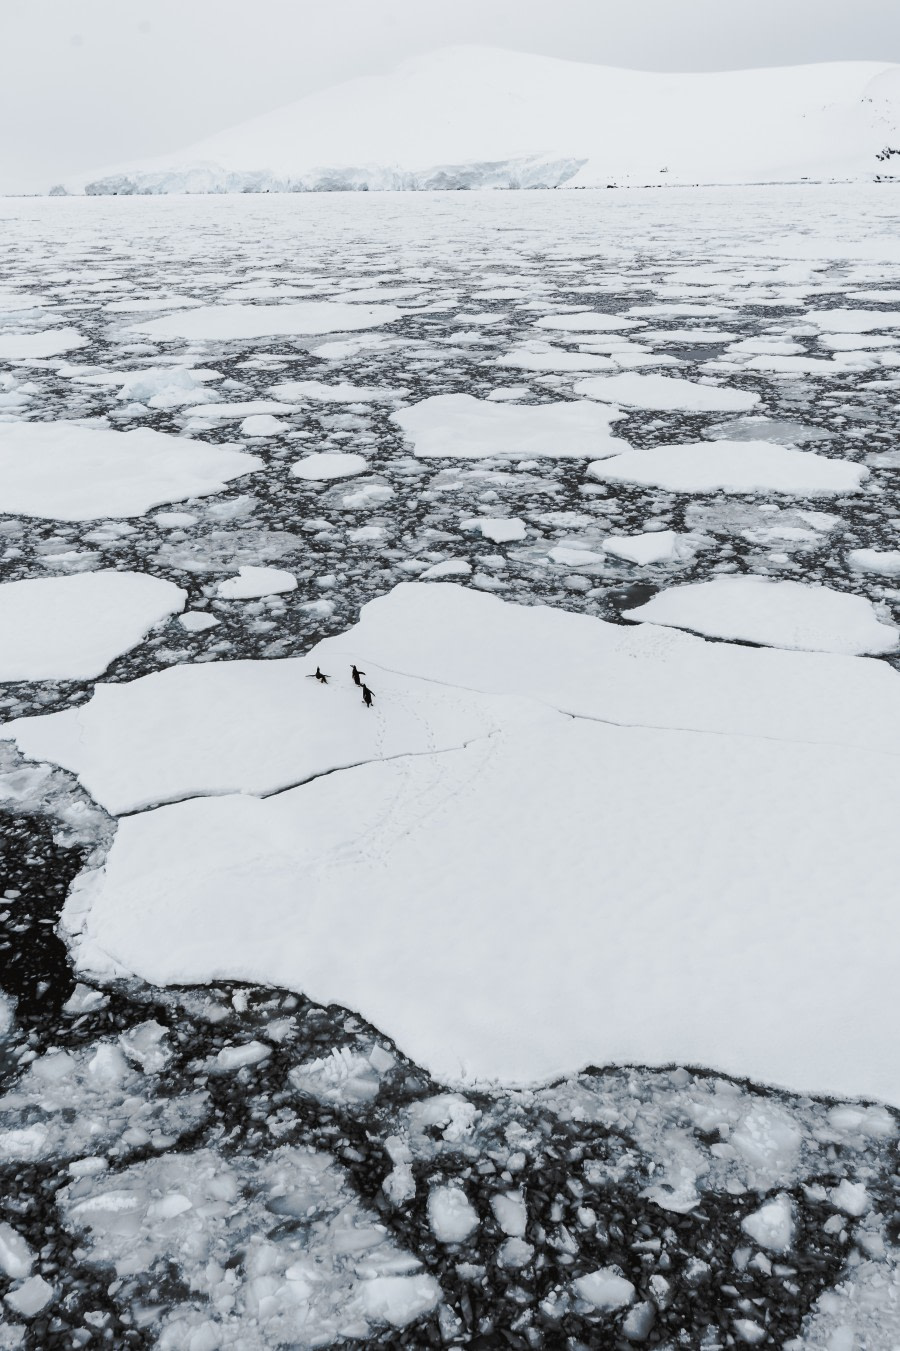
329,465
235,1057
195,621
569,557
510,1213
639,1322
252,582
746,1330
262,424
451,567
515,1253
398,1300
850,1197
501,530
16,1257
30,1297
146,1044
884,561
655,546
772,1226
605,1288
450,1214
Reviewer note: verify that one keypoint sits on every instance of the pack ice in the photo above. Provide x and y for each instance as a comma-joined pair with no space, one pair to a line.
477,879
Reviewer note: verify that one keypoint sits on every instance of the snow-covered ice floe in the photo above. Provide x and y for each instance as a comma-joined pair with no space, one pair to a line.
733,467
459,426
75,473
230,322
666,393
39,346
490,901
71,628
779,613
252,582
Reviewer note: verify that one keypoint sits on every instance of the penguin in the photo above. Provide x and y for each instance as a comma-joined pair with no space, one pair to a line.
322,679
356,675
368,696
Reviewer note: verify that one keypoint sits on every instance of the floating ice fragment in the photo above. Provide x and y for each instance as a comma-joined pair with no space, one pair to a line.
399,1300
772,1226
502,530
235,1057
329,465
884,561
30,1297
252,582
451,567
606,1289
451,1214
16,1257
196,621
655,546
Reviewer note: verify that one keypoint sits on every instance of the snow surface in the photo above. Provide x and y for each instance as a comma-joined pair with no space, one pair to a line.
537,802
459,426
666,393
222,322
71,628
733,467
252,726
534,121
778,613
75,473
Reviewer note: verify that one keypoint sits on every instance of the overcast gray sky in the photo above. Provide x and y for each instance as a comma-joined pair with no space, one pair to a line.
84,83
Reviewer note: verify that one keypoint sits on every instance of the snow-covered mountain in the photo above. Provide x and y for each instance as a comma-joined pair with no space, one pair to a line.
467,117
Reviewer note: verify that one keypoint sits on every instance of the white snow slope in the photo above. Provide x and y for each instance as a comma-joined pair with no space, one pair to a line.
554,841
533,121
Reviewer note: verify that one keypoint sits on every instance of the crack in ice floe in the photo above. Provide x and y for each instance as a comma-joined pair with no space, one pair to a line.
310,778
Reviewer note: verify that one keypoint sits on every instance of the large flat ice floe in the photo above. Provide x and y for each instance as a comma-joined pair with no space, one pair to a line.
562,841
666,393
75,473
220,323
778,613
732,467
39,346
459,426
71,628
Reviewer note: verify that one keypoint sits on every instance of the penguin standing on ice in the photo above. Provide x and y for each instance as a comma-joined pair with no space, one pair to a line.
317,675
357,675
367,695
